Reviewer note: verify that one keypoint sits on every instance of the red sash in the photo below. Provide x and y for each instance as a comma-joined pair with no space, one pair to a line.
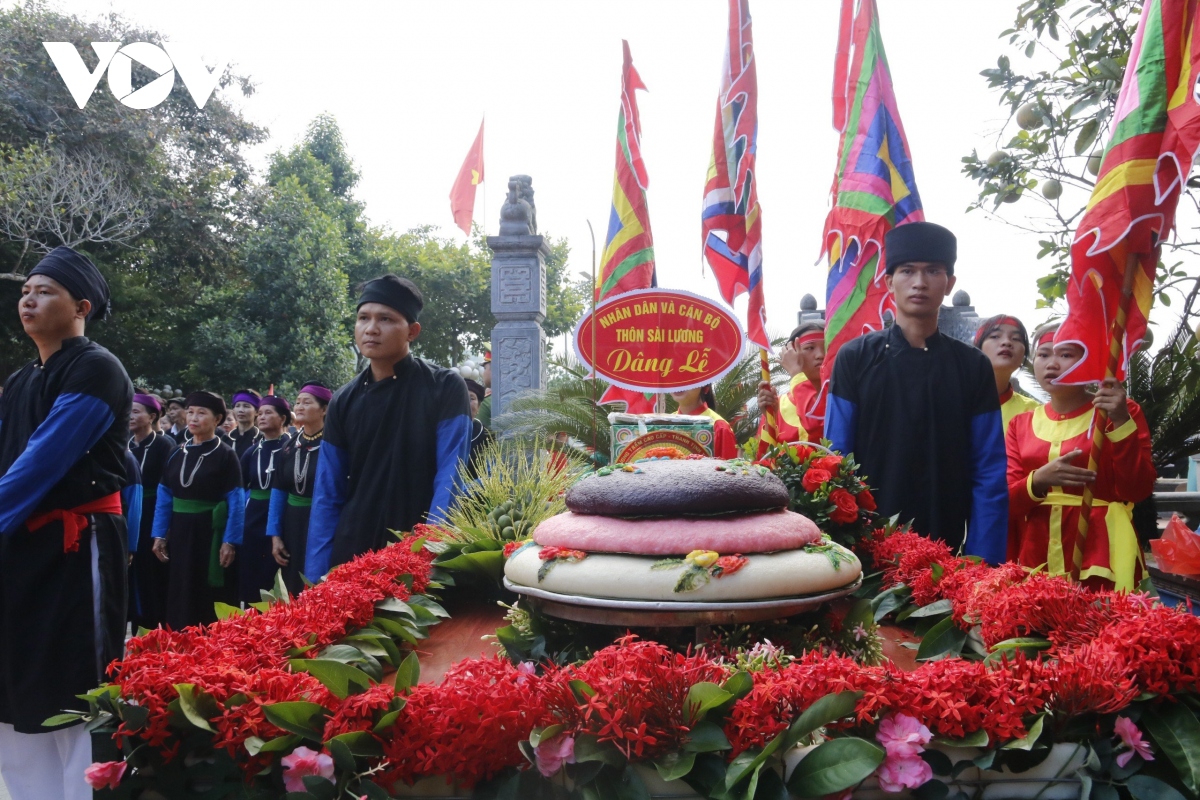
75,519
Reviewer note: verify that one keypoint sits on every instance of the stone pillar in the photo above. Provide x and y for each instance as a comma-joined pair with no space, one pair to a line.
518,298
809,311
959,321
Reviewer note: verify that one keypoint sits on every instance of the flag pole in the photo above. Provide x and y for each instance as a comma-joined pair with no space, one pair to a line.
766,376
1099,416
595,359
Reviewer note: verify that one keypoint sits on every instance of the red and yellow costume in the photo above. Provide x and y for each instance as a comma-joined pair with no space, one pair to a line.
724,442
1012,404
792,424
1043,530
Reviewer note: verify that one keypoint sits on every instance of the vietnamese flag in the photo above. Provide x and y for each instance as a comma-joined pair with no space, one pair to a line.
462,196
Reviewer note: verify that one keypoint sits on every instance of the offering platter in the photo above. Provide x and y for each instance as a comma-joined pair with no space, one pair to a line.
671,613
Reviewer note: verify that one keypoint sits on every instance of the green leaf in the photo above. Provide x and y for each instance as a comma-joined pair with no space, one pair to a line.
61,719
388,719
890,600
299,717
1147,787
198,707
706,737
408,674
739,684
1027,741
1177,733
827,709
225,611
427,603
360,743
343,759
1087,136
486,563
933,609
834,766
977,739
588,748
341,679
943,640
279,744
1029,644
701,698
539,735
581,690
392,605
750,763
674,766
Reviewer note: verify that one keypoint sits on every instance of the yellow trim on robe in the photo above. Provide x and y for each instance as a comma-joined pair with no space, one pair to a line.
788,410
1123,432
1123,550
1016,404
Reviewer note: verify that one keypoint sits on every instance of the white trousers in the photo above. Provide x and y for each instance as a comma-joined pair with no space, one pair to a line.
40,766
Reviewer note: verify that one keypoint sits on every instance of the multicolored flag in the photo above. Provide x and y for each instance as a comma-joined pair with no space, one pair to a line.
1154,137
873,189
462,194
731,221
628,261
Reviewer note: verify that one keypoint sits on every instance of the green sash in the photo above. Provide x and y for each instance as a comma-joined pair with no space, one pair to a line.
298,501
220,513
260,494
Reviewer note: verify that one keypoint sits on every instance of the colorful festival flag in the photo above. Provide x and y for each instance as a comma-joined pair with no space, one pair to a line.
628,261
731,221
873,189
462,195
1155,131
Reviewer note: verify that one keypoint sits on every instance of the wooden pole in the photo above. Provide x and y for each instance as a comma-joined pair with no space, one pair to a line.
1100,417
770,428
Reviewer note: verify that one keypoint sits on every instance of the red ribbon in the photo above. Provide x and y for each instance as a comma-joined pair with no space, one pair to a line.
75,519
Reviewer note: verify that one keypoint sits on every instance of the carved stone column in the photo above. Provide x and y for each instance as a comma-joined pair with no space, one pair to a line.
518,298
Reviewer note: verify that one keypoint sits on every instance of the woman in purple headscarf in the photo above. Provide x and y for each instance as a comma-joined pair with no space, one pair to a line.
292,487
148,575
259,464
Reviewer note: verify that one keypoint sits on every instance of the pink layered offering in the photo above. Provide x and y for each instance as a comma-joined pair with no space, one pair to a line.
766,532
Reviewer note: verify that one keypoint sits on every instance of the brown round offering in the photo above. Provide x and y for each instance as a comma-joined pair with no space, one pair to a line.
678,488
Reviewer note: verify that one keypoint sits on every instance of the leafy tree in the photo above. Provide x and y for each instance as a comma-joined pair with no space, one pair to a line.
284,321
1060,105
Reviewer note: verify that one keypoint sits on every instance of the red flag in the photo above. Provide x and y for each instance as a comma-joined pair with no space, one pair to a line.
462,196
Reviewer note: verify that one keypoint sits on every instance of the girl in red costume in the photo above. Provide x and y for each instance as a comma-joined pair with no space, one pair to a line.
700,402
1047,469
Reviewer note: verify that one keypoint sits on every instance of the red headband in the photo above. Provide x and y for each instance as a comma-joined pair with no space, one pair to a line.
1047,337
811,336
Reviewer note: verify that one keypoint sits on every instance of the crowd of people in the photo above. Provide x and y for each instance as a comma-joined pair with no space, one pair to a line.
120,506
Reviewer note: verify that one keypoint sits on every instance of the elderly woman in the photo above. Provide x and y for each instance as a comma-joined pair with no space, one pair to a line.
256,570
1048,469
292,484
1006,344
150,449
198,519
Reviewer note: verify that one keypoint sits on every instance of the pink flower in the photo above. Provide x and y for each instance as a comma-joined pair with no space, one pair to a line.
1131,737
303,762
896,774
903,736
105,774
553,753
527,670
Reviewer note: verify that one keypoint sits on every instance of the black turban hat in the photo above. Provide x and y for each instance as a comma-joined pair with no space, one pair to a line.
79,276
394,292
476,388
213,402
920,241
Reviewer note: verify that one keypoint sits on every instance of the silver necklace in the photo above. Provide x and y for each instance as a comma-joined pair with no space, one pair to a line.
258,470
186,482
145,450
300,475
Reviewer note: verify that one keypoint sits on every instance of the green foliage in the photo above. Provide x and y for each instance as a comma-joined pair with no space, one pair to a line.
1167,387
569,406
1060,106
516,479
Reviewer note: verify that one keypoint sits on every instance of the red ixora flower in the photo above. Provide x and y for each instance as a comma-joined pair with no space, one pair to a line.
845,508
814,479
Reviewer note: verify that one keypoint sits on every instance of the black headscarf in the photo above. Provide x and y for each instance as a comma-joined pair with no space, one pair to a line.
394,292
79,276
213,402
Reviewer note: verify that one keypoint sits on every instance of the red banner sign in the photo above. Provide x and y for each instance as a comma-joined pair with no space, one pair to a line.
659,340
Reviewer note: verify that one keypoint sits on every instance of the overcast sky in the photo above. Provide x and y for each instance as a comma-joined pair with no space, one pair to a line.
409,81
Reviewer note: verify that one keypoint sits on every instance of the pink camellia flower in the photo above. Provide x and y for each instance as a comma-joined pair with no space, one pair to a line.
553,753
1131,737
903,736
896,774
303,762
105,774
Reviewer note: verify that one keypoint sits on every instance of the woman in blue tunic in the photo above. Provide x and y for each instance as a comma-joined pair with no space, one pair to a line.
292,487
256,570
